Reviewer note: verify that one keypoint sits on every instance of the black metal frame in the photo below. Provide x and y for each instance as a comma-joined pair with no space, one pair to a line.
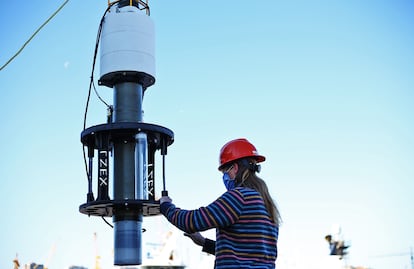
101,137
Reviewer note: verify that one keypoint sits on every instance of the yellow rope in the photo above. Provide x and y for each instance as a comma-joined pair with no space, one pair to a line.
33,35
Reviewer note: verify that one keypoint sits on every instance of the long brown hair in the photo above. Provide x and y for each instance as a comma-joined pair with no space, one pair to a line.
247,177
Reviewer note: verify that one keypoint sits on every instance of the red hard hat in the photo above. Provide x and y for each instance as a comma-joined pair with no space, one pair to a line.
238,149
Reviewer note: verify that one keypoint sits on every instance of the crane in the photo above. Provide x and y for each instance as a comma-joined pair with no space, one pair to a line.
51,254
97,257
16,262
399,254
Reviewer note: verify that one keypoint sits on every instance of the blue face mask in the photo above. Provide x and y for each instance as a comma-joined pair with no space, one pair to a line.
228,182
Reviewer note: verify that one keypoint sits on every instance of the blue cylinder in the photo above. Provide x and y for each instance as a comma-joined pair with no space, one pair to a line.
127,242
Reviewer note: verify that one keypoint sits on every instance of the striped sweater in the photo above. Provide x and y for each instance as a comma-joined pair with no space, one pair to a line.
245,235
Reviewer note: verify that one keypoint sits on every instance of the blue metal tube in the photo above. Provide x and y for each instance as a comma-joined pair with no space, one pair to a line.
128,184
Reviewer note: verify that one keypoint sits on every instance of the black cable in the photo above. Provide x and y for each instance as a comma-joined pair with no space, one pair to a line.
91,84
112,226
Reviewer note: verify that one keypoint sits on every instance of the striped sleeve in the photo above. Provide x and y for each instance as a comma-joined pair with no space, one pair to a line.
224,211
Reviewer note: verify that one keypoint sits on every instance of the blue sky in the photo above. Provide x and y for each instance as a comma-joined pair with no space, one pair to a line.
324,89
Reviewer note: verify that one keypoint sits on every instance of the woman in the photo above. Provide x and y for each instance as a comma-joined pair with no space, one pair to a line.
245,217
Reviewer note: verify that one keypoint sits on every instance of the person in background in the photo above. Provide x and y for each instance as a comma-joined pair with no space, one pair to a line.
245,217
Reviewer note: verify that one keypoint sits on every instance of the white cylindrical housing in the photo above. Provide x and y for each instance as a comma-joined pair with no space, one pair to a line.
127,47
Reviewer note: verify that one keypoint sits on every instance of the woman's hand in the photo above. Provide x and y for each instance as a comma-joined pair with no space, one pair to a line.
197,238
165,199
